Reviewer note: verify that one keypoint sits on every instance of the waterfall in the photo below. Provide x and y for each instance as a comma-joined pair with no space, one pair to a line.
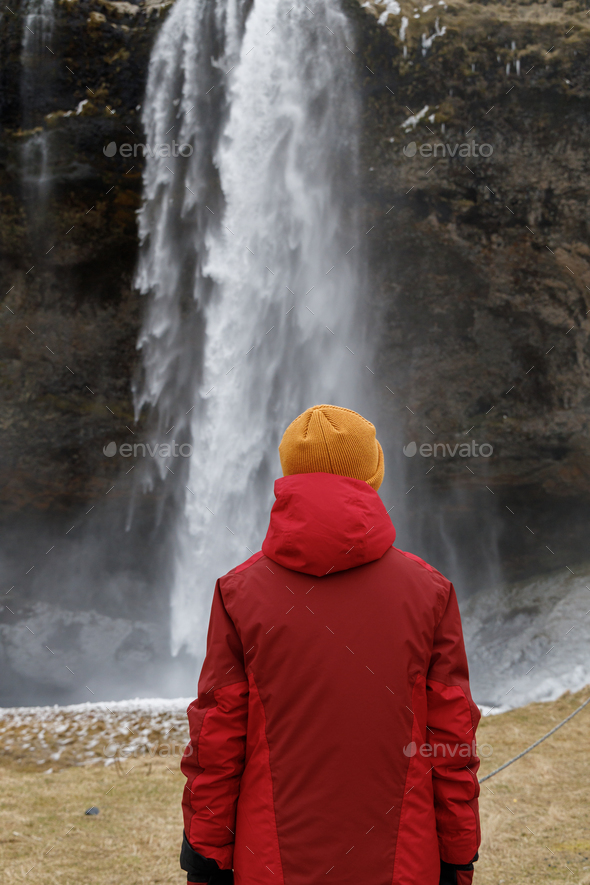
250,262
37,63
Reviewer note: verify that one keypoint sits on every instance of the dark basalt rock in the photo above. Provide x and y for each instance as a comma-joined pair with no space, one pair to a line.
67,254
481,272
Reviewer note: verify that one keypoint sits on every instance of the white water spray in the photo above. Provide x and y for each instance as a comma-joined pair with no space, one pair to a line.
36,82
250,257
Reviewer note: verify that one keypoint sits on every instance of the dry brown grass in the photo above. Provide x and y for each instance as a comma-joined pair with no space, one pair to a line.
535,814
136,837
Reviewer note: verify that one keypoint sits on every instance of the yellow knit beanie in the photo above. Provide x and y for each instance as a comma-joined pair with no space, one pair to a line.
330,439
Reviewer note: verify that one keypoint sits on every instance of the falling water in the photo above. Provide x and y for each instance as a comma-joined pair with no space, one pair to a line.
250,257
37,61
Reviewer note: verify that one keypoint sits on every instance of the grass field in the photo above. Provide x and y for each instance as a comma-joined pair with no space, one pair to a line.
535,814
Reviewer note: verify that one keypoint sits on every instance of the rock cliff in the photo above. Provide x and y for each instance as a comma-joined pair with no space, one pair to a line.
475,179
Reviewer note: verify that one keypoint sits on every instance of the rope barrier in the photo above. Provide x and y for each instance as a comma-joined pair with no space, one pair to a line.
536,744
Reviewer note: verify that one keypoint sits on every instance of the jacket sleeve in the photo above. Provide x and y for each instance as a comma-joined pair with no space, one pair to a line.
214,758
451,721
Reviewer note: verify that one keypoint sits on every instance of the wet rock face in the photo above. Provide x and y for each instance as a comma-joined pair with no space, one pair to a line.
480,265
73,76
73,80
529,640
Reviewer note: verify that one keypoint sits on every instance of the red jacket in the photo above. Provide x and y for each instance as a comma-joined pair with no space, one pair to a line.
333,738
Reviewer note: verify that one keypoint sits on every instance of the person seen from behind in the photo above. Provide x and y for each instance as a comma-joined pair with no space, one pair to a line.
333,737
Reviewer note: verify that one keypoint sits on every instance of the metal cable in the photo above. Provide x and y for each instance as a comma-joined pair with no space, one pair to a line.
536,744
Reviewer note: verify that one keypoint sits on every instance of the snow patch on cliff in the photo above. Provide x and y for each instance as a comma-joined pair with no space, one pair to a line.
413,120
427,40
392,7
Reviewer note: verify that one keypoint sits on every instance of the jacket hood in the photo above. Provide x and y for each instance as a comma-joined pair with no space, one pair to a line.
322,523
